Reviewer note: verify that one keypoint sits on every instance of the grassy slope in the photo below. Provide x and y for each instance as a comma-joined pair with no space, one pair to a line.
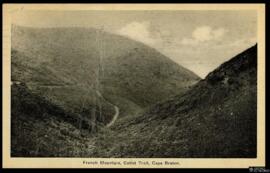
57,89
134,75
215,118
40,128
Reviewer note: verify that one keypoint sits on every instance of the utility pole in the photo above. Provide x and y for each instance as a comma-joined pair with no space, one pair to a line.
100,69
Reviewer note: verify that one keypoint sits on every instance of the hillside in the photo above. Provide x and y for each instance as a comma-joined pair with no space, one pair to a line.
40,128
215,118
69,66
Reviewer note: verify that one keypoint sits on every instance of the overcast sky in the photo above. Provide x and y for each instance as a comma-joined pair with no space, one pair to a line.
197,40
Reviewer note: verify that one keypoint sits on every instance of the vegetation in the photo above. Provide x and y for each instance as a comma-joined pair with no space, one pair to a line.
215,118
39,128
68,85
68,66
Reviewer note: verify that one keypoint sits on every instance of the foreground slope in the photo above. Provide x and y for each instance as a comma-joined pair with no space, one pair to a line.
69,66
40,128
215,118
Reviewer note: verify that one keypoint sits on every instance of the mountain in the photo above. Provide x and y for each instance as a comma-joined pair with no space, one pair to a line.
215,118
90,72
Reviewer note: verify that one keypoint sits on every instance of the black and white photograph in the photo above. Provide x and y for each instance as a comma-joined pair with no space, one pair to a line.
134,83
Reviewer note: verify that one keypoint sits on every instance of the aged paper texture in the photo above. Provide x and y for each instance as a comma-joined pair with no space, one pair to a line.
133,85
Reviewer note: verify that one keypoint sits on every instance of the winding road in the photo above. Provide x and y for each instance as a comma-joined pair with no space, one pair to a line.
116,108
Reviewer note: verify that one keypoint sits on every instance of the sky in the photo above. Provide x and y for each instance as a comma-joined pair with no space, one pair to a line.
197,40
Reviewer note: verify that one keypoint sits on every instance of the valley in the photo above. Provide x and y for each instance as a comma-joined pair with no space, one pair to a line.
82,92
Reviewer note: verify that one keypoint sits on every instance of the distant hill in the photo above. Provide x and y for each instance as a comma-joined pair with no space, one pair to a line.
215,118
69,66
